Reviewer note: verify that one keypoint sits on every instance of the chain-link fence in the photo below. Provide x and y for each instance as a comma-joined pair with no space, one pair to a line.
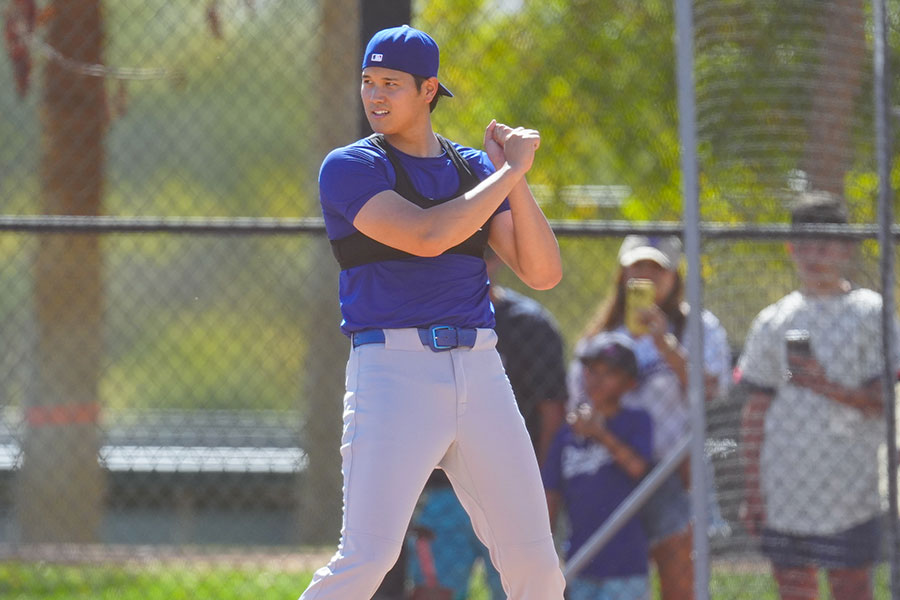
172,370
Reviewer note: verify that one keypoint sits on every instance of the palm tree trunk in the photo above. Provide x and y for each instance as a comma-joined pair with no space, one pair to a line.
60,496
829,151
338,65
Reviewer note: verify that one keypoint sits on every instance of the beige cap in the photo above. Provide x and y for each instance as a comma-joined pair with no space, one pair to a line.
665,251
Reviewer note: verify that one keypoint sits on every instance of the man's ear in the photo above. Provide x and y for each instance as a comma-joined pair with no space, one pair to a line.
431,88
789,246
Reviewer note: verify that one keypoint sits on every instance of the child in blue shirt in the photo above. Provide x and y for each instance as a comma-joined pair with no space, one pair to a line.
594,462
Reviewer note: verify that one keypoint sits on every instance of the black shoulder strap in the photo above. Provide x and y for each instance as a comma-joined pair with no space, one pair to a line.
359,249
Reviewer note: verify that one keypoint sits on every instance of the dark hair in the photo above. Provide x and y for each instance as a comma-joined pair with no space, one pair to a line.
611,313
818,207
419,81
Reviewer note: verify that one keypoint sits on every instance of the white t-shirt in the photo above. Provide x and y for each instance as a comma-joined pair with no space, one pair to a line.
661,396
818,463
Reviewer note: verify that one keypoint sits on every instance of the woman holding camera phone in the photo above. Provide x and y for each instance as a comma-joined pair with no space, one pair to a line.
648,306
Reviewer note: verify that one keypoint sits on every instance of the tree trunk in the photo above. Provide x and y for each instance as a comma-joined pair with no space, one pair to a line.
337,82
62,485
378,15
829,151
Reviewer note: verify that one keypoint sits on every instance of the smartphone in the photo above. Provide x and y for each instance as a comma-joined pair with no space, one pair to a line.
797,342
640,294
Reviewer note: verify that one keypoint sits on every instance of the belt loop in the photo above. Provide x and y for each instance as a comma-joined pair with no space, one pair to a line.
367,336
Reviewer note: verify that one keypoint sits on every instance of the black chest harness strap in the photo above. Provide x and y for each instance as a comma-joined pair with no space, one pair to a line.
359,249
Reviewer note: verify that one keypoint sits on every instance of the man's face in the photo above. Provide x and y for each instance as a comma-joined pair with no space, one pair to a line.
821,263
605,384
391,100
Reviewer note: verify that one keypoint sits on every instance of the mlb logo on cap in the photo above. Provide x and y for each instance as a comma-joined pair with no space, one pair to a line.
405,49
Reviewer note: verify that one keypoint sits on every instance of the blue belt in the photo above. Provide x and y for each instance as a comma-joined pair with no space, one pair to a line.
436,337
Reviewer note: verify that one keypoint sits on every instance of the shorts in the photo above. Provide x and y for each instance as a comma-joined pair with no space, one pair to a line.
668,511
634,587
856,547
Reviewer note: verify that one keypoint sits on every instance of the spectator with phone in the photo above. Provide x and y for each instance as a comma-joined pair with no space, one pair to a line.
659,337
813,423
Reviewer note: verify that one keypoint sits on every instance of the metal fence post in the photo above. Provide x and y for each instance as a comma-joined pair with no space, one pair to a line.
883,135
687,126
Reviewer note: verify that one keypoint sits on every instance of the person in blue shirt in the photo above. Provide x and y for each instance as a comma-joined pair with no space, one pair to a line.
409,214
594,463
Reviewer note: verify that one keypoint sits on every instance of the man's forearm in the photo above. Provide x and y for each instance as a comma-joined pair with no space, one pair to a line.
537,252
451,223
752,432
625,456
867,399
391,219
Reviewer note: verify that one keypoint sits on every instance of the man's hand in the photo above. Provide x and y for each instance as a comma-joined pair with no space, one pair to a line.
807,372
492,147
585,422
515,146
752,511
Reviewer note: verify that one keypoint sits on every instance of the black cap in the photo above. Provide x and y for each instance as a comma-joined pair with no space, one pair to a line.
614,349
818,207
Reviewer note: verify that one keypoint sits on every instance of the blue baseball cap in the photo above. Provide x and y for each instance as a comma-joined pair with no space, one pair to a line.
405,49
612,348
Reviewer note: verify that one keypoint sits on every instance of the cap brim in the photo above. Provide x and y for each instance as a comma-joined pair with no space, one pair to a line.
443,91
645,253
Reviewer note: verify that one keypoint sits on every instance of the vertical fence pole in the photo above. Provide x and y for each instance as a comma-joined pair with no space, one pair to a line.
883,135
687,126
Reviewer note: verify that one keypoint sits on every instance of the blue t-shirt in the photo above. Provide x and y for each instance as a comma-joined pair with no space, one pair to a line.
450,289
593,486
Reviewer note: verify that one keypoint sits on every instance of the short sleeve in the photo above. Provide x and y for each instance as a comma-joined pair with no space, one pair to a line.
760,361
871,339
350,177
483,167
478,160
716,353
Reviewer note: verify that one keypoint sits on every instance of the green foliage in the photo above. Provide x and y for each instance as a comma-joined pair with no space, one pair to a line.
234,124
596,78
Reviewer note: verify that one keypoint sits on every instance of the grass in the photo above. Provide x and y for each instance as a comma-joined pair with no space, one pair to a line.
42,582
36,581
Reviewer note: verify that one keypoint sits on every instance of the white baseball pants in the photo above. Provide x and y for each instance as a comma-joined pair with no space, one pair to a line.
408,409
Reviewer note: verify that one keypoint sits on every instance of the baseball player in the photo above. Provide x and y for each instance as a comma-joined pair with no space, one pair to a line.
409,215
